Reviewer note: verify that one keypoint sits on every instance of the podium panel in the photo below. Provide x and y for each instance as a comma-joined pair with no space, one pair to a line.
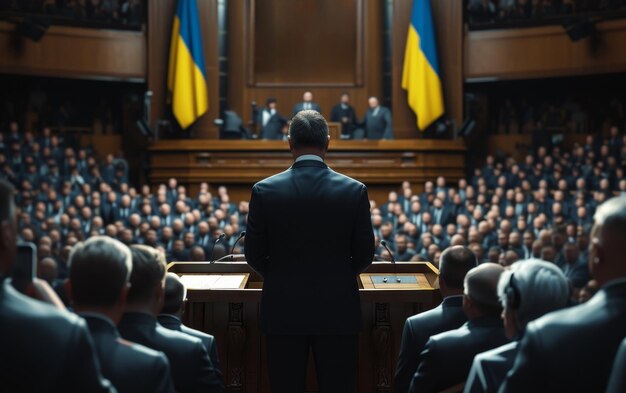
223,300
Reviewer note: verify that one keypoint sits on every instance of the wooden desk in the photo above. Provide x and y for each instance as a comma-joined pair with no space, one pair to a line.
382,165
232,315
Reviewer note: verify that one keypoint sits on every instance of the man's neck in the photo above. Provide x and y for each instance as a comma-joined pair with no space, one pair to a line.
139,308
303,152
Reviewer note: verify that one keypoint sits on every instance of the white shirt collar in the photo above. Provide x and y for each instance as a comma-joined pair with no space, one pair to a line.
309,157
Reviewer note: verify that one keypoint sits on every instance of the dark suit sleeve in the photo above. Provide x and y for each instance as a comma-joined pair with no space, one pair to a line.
388,125
617,382
213,354
362,235
407,360
425,378
83,365
526,374
162,376
209,379
256,235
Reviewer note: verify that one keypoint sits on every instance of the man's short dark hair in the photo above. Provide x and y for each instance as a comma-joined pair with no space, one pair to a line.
148,272
454,264
270,100
99,269
174,294
7,207
308,129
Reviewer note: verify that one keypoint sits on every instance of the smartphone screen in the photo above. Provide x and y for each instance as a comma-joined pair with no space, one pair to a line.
25,266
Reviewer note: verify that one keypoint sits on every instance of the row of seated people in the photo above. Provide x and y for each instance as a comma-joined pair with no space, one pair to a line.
517,329
110,12
123,334
490,11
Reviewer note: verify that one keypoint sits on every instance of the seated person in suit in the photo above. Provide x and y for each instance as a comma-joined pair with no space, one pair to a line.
454,264
617,382
191,367
377,122
44,349
447,357
98,286
306,104
528,290
271,122
549,355
173,307
344,113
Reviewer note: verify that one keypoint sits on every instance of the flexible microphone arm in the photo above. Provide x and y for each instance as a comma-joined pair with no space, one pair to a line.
384,244
241,235
219,238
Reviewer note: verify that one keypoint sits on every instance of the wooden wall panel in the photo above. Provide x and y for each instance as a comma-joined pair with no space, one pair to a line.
543,52
448,17
241,93
308,42
72,52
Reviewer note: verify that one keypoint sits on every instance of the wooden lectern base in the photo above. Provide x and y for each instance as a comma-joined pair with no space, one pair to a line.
231,314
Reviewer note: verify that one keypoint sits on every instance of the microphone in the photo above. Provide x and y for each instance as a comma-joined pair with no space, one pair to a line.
384,244
241,236
219,238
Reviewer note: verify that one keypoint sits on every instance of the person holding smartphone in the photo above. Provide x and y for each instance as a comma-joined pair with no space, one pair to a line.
43,348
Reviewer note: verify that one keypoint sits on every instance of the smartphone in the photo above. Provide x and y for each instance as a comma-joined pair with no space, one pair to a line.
25,266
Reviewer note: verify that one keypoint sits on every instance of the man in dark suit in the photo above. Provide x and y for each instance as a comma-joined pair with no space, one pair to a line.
377,122
191,367
306,104
344,113
98,286
310,297
170,317
44,349
447,357
528,290
549,357
454,264
270,121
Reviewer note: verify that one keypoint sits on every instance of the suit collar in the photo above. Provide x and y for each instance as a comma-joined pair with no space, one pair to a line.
309,163
453,301
169,319
138,318
99,323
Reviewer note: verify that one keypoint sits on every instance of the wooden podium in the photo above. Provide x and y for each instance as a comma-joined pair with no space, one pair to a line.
223,300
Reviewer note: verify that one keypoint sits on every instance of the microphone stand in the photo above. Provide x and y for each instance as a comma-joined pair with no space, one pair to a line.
393,261
219,238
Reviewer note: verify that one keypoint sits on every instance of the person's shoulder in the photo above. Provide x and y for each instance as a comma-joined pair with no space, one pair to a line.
197,333
140,354
347,179
181,340
425,317
269,181
496,354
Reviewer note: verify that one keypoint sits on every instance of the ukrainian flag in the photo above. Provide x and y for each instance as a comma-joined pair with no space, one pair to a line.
420,76
186,78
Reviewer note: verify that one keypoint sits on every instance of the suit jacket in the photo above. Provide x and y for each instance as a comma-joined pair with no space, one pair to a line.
554,348
490,368
309,235
131,367
379,126
418,329
617,382
300,107
172,322
273,129
339,112
447,357
191,367
45,349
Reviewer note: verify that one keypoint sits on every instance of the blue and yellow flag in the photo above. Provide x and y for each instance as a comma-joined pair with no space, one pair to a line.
420,75
186,78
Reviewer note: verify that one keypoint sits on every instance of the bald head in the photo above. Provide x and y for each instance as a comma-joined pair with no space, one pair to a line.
607,244
481,287
175,293
48,270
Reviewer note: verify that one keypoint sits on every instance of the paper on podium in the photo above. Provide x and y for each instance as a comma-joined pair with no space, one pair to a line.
214,281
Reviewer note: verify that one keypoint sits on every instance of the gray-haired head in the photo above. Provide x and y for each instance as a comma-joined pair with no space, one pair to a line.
538,287
308,129
99,269
175,294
